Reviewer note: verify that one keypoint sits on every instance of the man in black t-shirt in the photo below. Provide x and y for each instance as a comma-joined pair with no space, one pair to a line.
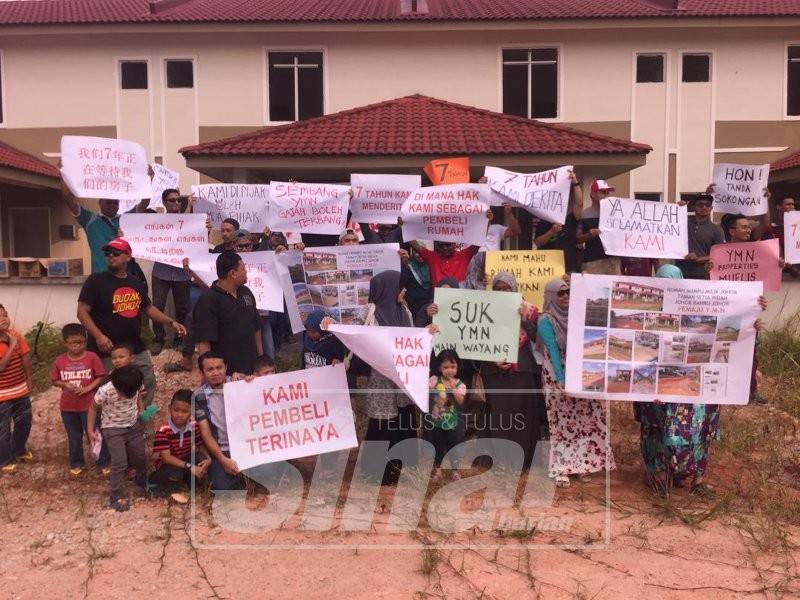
226,317
110,306
554,236
595,259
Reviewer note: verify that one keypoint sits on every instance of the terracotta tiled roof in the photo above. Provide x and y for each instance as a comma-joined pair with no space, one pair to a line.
787,162
12,158
415,125
139,11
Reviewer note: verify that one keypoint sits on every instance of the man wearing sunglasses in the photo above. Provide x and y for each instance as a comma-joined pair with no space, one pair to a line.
703,233
110,306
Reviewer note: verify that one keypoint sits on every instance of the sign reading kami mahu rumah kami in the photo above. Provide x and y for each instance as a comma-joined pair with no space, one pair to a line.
447,213
308,207
647,338
791,237
379,198
748,261
401,354
262,278
94,167
643,228
478,325
741,189
163,179
247,203
168,238
544,194
531,268
289,415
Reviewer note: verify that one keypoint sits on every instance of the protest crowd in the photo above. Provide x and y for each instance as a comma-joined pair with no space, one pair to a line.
458,377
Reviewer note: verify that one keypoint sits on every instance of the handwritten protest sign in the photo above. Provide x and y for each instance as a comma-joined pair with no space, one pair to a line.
247,203
379,198
163,179
289,415
532,269
444,171
791,237
168,238
478,325
401,354
740,189
544,194
94,167
748,261
448,213
334,278
262,278
676,340
308,207
643,228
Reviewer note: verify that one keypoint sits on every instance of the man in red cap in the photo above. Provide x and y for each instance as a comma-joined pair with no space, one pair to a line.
110,306
595,259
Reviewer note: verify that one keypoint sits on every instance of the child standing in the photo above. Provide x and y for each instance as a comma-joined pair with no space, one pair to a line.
78,372
440,425
121,402
264,365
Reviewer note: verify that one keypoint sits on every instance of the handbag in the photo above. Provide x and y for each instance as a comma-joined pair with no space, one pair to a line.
477,391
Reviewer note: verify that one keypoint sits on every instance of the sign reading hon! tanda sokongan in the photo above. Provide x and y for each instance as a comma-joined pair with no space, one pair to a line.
308,207
379,198
289,415
544,194
94,167
643,228
168,238
400,353
478,325
247,203
740,189
647,338
447,213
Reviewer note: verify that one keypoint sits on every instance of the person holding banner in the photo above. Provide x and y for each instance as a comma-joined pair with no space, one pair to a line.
775,231
703,233
595,259
228,231
445,260
579,443
555,236
496,233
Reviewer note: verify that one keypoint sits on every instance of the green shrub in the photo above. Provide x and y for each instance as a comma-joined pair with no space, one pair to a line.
779,359
45,342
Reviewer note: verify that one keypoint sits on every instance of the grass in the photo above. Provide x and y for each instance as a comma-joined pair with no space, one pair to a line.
779,361
44,340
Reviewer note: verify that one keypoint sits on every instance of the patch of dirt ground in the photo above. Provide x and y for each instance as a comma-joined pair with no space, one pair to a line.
60,540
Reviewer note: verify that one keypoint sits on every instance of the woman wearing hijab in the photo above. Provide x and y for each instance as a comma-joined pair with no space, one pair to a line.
579,442
424,316
515,409
476,273
320,348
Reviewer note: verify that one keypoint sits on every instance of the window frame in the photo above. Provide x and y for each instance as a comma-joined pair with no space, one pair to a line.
146,62
785,67
188,59
3,96
709,55
560,80
265,50
659,194
664,66
12,242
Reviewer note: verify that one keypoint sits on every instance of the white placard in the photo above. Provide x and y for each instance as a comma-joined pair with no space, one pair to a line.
740,189
168,238
247,203
308,207
544,194
289,415
379,198
647,338
791,237
447,213
643,228
401,354
262,279
94,167
163,179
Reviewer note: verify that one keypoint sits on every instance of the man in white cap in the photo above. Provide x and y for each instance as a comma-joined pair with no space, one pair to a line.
595,259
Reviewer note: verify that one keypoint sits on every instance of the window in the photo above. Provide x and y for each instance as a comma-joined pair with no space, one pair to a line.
650,68
30,231
295,85
696,68
180,74
652,196
793,82
530,82
133,75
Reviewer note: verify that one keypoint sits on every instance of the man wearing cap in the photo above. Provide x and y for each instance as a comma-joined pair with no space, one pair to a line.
348,237
595,259
110,306
703,233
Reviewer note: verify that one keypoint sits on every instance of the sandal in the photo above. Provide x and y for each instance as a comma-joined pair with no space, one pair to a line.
176,367
120,504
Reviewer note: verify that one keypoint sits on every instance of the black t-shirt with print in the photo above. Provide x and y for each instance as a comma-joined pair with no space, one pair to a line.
116,306
565,240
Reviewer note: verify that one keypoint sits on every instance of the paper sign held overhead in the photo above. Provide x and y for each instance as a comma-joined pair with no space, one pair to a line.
163,179
168,238
379,198
791,237
642,228
308,207
448,213
740,189
748,261
247,203
544,194
444,171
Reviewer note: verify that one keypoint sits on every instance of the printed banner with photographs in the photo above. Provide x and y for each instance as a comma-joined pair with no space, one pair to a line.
532,269
675,340
544,195
334,278
791,237
740,189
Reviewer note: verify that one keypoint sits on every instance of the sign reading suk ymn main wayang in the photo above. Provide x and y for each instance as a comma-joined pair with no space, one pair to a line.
478,325
741,189
447,213
289,415
247,203
643,228
675,340
748,261
379,198
544,194
308,207
168,238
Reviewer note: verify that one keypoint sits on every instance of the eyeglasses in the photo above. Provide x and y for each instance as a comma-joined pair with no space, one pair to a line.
173,200
562,293
244,246
113,253
702,203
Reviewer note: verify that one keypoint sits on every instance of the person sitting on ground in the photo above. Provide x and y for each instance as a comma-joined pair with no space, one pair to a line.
172,446
121,401
78,372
